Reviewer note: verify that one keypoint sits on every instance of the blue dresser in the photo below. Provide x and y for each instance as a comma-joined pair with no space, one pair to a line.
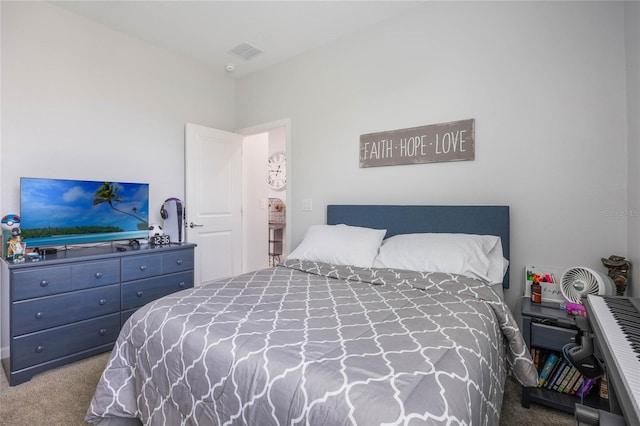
72,304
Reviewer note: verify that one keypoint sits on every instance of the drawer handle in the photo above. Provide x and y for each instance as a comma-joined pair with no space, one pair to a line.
182,284
101,302
44,283
143,267
39,315
39,349
103,331
98,274
179,261
139,293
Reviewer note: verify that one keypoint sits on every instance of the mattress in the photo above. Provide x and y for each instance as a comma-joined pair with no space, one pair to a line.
313,343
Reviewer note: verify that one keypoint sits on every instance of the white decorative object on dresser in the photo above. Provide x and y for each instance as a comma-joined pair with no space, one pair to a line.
72,304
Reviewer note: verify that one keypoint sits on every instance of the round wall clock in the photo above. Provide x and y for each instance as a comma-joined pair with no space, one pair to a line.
278,171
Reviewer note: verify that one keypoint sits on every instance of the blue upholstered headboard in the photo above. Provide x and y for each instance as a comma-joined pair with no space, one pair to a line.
482,220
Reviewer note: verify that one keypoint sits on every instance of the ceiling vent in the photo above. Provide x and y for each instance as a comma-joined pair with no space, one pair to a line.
245,51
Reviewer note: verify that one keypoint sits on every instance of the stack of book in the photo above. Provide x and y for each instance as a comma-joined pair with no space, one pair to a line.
556,373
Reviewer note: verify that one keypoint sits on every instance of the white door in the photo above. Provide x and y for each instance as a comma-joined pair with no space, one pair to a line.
213,201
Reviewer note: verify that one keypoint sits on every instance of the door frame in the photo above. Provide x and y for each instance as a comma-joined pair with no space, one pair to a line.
265,127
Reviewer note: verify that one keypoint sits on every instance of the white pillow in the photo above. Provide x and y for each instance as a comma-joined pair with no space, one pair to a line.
340,245
475,256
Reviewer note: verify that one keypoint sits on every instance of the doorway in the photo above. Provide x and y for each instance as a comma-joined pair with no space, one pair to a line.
220,211
265,212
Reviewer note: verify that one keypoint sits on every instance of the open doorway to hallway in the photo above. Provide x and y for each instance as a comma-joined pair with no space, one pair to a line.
265,187
277,186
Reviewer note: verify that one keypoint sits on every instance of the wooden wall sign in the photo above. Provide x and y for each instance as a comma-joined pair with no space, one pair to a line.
435,143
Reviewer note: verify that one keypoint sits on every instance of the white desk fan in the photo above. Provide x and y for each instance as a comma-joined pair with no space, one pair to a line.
579,281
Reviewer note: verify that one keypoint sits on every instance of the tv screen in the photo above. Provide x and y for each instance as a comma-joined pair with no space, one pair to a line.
63,212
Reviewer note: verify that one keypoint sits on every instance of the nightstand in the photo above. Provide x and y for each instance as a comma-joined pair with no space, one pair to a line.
549,329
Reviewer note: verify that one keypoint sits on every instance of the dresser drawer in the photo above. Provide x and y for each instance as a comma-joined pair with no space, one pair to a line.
139,293
550,337
137,267
177,261
40,282
51,311
93,274
43,346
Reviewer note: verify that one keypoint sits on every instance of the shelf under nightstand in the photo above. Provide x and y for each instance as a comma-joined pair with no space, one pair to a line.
551,328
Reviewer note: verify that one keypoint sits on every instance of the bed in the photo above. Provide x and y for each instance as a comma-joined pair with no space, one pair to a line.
363,340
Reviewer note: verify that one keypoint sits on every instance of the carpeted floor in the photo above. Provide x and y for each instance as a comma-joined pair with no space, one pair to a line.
56,397
60,397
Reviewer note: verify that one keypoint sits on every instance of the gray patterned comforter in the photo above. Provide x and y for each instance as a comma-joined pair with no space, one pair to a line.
316,344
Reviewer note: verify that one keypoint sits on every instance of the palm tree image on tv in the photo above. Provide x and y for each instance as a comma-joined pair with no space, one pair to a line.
59,211
108,193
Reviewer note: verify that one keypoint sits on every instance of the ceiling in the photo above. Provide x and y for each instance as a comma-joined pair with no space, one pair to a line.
207,30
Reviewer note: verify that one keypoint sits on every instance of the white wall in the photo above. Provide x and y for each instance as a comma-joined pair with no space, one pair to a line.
545,82
632,38
82,101
255,203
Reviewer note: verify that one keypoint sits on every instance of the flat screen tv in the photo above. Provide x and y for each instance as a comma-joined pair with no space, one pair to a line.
56,212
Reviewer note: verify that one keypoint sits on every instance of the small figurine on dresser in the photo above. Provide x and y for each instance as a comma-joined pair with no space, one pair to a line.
618,270
13,247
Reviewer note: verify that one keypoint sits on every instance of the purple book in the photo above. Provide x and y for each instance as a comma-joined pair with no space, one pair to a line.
585,387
